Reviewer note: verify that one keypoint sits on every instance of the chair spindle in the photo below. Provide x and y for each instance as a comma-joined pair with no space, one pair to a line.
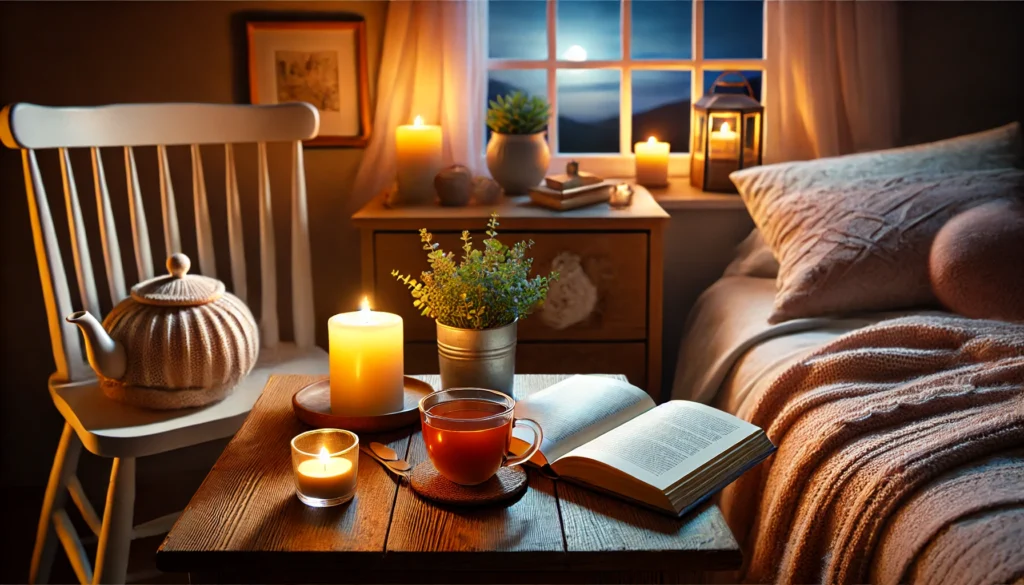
269,330
302,271
140,230
79,241
172,238
204,233
108,231
236,239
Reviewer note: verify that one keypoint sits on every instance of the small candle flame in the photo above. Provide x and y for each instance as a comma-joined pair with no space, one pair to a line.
365,305
418,121
652,140
324,456
725,128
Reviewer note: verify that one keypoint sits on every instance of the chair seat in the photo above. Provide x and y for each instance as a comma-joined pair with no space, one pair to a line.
113,429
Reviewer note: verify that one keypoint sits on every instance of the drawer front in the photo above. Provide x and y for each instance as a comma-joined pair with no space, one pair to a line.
629,359
601,293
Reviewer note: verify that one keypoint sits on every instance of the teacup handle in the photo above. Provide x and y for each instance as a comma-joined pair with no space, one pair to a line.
538,436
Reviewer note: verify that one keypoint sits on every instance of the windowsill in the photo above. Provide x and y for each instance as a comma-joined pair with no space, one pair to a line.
681,195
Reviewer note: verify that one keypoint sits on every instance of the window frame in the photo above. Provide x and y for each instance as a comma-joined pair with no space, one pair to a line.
622,163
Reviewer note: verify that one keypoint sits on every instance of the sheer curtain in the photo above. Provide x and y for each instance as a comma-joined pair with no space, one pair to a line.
834,86
433,65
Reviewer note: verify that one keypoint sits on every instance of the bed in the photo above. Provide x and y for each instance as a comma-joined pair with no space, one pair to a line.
732,358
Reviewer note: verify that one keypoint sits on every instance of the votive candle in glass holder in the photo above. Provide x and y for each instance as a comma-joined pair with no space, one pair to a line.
325,463
621,196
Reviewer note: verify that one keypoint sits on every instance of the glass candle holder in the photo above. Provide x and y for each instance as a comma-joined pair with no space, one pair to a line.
621,196
325,463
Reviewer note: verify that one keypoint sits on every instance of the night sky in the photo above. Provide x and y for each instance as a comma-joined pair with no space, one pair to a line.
661,30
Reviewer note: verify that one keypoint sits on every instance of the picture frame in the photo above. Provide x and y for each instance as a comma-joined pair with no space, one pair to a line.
323,63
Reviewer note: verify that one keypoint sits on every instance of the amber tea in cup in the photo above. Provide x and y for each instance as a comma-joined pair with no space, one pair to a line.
468,432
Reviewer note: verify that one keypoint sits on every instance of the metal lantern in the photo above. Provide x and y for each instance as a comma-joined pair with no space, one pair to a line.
727,134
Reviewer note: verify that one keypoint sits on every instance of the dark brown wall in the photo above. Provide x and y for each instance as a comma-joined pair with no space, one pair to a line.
963,67
94,53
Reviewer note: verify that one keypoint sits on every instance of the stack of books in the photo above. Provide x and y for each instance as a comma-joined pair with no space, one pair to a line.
569,191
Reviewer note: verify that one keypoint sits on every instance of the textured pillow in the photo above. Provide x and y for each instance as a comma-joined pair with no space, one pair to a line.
999,148
865,247
977,262
753,258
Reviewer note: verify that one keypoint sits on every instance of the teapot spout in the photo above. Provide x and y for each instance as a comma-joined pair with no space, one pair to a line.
106,356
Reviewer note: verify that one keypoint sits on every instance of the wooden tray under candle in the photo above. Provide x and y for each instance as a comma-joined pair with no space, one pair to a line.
312,405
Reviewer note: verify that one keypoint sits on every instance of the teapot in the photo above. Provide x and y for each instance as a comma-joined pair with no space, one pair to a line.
177,341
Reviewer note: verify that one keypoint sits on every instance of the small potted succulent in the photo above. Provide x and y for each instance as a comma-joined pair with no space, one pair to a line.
517,153
477,303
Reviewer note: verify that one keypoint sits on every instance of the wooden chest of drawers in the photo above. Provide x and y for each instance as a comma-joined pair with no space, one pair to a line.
603,315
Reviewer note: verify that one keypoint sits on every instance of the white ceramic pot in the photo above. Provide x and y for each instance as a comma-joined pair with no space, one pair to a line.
517,161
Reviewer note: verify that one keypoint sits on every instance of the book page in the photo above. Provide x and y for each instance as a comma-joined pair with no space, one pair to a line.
577,410
667,443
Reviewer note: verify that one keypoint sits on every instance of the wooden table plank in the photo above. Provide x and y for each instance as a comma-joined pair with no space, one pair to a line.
602,532
434,537
247,506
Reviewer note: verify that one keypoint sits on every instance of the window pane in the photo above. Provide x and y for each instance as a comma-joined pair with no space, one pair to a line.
661,107
504,82
753,78
589,30
588,110
733,29
662,30
517,29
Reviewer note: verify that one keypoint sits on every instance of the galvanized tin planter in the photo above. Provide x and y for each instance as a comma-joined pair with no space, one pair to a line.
477,358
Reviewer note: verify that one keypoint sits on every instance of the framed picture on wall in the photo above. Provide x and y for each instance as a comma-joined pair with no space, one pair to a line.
323,63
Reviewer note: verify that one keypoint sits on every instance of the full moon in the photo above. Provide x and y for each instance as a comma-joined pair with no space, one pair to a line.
575,53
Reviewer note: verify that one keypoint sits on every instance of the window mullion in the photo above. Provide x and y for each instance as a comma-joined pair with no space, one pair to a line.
697,77
626,82
552,64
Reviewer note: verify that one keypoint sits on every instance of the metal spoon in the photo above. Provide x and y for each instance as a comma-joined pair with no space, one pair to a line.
399,467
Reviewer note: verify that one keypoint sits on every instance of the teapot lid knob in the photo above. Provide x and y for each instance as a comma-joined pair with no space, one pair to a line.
178,265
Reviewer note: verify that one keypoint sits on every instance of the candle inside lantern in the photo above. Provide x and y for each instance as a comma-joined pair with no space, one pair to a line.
652,162
366,359
418,156
325,464
724,143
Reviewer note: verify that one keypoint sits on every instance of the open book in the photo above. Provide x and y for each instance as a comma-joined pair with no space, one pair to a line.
608,434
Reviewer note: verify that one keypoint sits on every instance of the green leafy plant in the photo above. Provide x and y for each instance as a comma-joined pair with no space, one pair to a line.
488,288
518,113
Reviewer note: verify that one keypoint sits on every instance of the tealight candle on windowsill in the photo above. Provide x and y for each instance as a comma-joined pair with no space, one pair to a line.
652,163
325,463
366,359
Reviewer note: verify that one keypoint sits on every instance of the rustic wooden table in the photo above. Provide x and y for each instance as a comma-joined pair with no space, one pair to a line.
246,525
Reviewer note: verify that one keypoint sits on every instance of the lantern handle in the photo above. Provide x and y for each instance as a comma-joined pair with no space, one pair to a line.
719,82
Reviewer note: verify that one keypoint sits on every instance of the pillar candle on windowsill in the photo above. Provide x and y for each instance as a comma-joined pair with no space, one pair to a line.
418,160
366,357
652,163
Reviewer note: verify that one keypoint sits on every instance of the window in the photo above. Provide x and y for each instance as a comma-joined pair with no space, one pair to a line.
617,72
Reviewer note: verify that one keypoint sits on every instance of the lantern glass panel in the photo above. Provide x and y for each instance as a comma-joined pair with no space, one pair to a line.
724,140
751,139
698,146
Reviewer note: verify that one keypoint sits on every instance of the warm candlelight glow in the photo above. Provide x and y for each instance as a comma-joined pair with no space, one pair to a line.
366,359
418,122
723,142
324,456
652,162
418,160
725,128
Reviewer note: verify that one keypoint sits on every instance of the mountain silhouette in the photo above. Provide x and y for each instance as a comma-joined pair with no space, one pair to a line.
669,123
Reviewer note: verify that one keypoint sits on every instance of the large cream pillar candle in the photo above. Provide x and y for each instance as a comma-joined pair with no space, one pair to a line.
366,355
418,160
652,163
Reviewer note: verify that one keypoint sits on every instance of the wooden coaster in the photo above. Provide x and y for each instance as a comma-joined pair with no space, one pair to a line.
508,484
312,405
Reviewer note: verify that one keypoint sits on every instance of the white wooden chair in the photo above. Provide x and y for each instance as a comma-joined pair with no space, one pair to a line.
105,427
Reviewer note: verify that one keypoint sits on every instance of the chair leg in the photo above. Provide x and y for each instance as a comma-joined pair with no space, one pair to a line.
116,533
64,464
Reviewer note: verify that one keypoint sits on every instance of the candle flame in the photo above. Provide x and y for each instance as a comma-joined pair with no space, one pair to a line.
324,455
652,140
365,305
418,121
725,128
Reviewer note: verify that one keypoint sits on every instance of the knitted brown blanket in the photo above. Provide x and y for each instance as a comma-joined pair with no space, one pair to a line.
900,458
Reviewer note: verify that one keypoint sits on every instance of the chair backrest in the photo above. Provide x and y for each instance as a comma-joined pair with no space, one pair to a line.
31,128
